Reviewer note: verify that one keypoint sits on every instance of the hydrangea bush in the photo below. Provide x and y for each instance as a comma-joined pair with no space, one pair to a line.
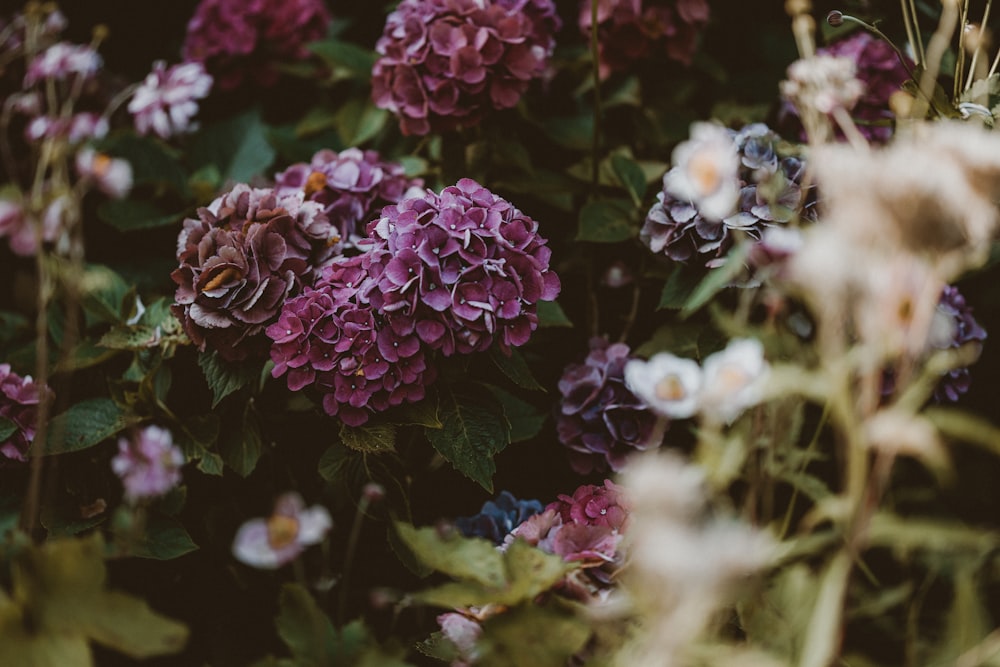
499,332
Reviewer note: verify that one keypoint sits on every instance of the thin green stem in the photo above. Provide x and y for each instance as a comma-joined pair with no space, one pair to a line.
352,547
979,45
916,28
907,20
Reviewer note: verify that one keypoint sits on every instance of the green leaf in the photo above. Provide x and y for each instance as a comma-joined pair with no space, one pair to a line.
7,428
469,558
631,176
60,586
607,221
369,439
134,214
104,294
241,447
576,132
473,432
334,462
551,314
716,280
84,354
237,146
306,630
351,57
515,368
525,421
223,377
164,538
678,288
359,121
532,635
84,425
152,160
421,413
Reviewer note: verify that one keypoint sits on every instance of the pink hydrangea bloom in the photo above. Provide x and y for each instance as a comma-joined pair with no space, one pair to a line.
444,63
272,542
244,40
148,463
594,505
165,102
19,397
631,30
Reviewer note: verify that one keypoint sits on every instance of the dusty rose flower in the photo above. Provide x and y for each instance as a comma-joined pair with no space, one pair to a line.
240,259
19,397
148,463
594,505
444,63
166,101
632,30
463,632
279,539
244,40
62,61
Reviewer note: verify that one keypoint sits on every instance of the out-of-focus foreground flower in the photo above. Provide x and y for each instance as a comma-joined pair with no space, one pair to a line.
166,101
19,397
148,463
278,539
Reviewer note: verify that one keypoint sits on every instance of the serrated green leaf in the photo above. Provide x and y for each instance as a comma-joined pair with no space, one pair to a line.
238,146
515,368
631,176
104,294
607,221
421,413
525,420
469,558
551,314
129,215
305,629
84,425
473,433
369,439
224,378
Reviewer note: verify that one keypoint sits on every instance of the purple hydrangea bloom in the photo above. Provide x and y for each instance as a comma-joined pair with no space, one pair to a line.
19,398
498,517
465,269
594,505
148,463
361,361
632,30
165,102
352,185
955,326
600,419
444,63
245,40
240,259
878,67
770,193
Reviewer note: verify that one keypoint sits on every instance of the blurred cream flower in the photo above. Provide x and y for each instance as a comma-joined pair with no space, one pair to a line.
706,171
733,379
823,84
669,385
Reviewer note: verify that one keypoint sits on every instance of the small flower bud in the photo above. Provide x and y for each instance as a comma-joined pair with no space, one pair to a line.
835,18
373,492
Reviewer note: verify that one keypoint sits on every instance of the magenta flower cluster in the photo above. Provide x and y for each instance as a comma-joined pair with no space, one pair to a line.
244,40
600,420
240,259
19,397
880,69
455,273
444,63
352,186
632,30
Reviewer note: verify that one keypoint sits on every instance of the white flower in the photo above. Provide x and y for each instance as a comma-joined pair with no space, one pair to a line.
62,60
669,385
113,176
165,101
272,542
706,171
733,379
823,83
